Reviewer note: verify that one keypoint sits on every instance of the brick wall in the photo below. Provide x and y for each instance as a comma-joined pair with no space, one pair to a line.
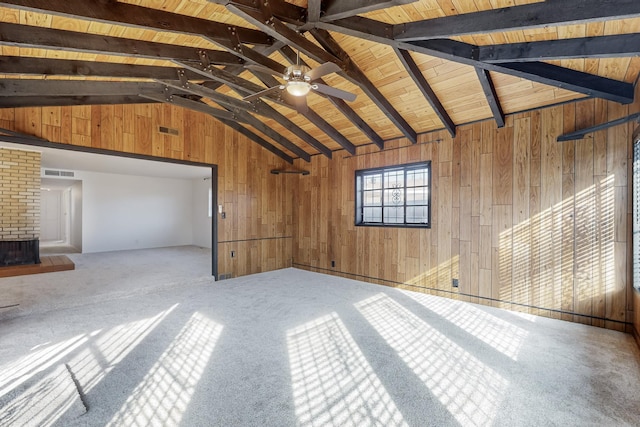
19,194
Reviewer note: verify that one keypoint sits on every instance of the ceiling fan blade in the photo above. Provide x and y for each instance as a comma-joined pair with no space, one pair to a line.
263,69
298,102
323,70
261,93
332,91
301,104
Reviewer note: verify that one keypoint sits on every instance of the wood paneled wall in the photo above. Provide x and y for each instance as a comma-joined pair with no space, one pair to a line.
524,222
258,224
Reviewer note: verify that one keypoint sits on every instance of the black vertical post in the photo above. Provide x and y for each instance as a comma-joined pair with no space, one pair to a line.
214,221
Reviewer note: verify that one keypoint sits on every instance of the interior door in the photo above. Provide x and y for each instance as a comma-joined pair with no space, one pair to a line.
51,215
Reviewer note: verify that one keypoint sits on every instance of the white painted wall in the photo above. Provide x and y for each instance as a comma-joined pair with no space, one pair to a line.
201,220
121,212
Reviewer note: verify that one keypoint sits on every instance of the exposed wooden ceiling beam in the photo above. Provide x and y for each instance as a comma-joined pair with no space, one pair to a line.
265,109
341,105
235,47
465,53
131,15
616,46
260,107
287,12
226,117
280,31
66,100
364,28
248,54
258,140
327,128
244,117
534,15
222,99
169,98
277,29
492,97
358,76
255,56
313,10
579,134
338,9
238,106
63,67
48,38
246,87
424,86
540,72
312,116
70,88
242,110
576,81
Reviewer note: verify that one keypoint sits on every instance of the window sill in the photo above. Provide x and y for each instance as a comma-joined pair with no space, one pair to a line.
369,224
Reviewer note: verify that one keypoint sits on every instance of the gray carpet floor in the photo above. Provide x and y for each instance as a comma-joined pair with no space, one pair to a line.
147,338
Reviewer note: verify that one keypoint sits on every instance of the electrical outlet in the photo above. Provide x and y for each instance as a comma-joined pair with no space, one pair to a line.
454,283
223,215
233,254
333,264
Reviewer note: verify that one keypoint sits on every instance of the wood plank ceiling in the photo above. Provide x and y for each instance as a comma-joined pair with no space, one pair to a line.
415,65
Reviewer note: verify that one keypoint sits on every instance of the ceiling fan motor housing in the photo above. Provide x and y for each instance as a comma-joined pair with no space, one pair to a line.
297,73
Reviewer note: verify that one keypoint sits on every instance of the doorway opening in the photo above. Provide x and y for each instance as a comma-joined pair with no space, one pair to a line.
60,216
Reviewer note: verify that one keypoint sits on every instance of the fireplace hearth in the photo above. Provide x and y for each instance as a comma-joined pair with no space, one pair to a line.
19,252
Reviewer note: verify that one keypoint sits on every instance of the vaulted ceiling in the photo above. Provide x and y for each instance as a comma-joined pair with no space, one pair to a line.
415,65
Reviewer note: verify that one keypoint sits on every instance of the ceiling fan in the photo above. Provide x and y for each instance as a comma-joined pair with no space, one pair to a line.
299,82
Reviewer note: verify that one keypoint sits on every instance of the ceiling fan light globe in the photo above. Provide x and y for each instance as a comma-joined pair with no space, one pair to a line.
298,88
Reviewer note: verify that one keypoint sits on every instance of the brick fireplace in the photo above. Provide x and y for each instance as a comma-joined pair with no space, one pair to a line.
19,207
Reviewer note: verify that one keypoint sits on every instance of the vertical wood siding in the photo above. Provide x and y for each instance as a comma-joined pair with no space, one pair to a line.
258,224
522,221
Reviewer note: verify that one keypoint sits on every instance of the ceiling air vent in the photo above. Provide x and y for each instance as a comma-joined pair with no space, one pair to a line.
169,131
50,172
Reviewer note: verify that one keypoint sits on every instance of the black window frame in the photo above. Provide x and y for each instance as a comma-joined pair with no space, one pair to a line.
359,195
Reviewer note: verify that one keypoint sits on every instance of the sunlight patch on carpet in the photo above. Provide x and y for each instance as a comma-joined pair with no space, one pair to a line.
52,399
503,336
470,390
106,349
164,393
333,383
39,360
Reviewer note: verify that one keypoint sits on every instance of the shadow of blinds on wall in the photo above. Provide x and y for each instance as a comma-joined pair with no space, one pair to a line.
636,213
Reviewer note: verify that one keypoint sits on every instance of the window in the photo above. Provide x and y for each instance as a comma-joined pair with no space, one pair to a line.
396,196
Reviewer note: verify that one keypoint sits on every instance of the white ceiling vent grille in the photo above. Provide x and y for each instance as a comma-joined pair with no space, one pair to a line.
51,172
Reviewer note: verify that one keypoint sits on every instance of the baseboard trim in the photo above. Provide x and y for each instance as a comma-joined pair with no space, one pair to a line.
393,283
635,334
